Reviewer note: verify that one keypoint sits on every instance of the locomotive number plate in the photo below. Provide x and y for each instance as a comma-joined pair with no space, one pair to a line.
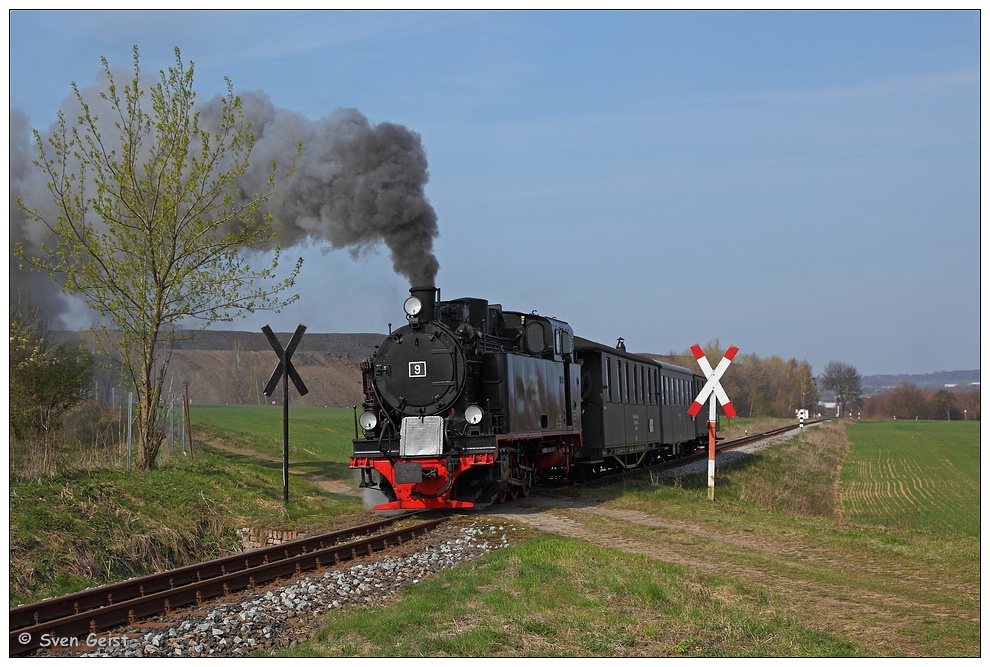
417,369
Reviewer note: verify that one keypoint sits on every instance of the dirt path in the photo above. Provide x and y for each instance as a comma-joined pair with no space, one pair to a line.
338,486
821,584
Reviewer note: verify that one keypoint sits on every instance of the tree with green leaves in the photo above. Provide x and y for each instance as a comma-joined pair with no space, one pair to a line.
147,224
845,382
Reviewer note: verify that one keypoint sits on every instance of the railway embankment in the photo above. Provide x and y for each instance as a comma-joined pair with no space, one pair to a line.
87,529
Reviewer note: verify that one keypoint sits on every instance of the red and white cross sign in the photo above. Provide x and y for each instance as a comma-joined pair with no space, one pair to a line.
713,384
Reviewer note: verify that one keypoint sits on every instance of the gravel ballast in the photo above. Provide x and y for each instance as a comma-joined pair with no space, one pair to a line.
279,616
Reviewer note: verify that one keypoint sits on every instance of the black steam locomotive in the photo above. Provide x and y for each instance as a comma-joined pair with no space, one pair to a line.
469,404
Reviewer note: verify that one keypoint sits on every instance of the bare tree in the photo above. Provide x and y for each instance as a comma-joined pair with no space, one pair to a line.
942,402
844,381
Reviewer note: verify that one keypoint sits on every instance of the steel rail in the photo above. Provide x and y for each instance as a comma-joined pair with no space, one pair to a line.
97,609
756,437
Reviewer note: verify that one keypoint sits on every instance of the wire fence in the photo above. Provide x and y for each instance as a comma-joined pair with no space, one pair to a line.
99,434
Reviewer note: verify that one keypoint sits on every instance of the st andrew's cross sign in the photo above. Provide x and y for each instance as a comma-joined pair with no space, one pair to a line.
285,361
712,386
285,368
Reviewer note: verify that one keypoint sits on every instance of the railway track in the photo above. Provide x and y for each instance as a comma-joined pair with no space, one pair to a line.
729,445
97,609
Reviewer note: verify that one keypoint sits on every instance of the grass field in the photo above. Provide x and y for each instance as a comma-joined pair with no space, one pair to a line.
914,475
653,568
315,434
849,540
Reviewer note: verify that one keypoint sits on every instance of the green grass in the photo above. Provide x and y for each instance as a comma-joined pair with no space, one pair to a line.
75,531
914,475
783,563
554,596
662,571
315,434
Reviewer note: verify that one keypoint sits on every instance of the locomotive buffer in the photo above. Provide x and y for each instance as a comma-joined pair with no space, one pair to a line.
712,386
285,368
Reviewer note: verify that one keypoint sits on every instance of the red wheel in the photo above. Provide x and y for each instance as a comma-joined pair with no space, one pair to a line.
503,495
515,491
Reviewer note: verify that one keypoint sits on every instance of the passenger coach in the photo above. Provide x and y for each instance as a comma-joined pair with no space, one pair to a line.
634,409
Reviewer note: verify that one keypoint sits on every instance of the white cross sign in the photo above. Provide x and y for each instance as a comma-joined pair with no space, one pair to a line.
713,384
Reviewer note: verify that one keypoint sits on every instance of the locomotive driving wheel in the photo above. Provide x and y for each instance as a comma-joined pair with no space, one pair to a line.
527,485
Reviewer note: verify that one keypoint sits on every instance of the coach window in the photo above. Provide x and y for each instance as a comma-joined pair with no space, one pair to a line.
618,381
608,377
626,389
626,386
624,381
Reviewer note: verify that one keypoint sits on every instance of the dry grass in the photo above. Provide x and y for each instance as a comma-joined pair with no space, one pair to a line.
801,479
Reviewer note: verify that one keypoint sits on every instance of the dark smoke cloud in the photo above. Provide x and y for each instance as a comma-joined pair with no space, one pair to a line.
356,185
28,288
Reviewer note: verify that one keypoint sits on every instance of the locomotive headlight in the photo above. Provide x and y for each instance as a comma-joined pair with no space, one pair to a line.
412,306
473,414
368,420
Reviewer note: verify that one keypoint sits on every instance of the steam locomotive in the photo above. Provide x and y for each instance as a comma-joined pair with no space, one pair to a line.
469,404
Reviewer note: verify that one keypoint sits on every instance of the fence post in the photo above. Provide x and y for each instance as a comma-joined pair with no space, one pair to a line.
130,420
189,422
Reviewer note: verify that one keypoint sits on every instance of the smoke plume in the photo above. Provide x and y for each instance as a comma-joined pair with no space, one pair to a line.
356,185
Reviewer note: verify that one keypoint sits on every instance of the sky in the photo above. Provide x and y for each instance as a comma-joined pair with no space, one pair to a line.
798,184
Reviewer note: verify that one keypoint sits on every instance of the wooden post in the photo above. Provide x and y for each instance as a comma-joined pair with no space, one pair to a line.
285,430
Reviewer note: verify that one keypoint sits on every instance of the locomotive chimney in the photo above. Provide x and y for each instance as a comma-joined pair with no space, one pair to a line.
427,298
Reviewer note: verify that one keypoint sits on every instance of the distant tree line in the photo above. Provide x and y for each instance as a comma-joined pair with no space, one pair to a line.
909,402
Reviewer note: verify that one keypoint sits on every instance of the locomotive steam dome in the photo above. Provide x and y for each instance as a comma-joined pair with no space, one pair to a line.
420,369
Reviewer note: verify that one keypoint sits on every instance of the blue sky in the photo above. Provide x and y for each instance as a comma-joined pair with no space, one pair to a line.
801,184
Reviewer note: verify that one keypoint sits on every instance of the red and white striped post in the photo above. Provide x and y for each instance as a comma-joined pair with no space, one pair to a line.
712,386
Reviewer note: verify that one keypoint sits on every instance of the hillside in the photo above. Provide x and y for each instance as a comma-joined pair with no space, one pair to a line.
234,367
